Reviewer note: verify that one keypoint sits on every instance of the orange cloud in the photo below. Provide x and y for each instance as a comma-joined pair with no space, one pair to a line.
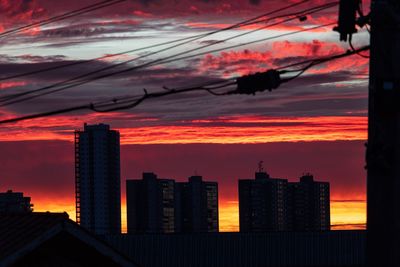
224,130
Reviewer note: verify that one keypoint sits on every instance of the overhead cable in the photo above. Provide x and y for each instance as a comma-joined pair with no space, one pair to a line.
9,99
67,15
254,20
248,84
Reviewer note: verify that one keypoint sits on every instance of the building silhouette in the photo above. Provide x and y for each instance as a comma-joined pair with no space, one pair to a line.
271,204
150,205
15,203
97,179
310,204
197,206
52,239
263,204
164,206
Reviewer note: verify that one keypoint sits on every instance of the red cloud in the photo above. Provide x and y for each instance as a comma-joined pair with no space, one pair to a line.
24,11
280,53
140,13
19,11
5,85
312,49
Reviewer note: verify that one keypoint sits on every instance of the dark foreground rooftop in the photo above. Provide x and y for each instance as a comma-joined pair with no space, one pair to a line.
323,249
49,239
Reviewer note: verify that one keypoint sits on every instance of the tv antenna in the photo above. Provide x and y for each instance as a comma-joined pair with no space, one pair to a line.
260,166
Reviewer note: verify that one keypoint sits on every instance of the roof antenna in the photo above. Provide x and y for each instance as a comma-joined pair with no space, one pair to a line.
260,166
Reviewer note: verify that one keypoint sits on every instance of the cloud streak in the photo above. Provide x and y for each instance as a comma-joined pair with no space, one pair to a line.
224,130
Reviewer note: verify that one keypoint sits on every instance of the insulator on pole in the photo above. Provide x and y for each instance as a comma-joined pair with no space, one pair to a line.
347,18
258,82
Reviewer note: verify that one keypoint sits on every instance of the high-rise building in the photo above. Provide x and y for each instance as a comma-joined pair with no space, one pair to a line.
164,206
15,203
197,206
310,201
150,205
97,179
268,204
263,204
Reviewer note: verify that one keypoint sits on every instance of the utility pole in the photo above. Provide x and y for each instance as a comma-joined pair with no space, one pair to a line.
383,148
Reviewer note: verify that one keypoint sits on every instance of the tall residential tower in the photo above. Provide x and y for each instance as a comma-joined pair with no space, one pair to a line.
268,204
196,206
164,206
263,204
150,205
97,179
310,205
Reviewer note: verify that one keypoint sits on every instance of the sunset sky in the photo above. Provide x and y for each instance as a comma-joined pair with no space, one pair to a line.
316,123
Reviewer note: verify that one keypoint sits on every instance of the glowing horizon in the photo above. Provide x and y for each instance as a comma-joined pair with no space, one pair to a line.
345,214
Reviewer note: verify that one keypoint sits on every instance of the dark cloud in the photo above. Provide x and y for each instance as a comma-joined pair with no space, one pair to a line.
81,30
81,33
333,106
311,95
100,28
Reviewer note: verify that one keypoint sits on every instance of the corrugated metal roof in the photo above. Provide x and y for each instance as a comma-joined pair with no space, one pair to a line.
316,249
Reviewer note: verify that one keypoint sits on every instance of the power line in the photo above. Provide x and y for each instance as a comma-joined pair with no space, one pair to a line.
64,16
328,58
107,106
352,48
251,42
7,100
152,63
271,77
254,20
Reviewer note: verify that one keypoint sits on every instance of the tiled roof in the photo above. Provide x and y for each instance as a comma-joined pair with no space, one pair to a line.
20,233
16,230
